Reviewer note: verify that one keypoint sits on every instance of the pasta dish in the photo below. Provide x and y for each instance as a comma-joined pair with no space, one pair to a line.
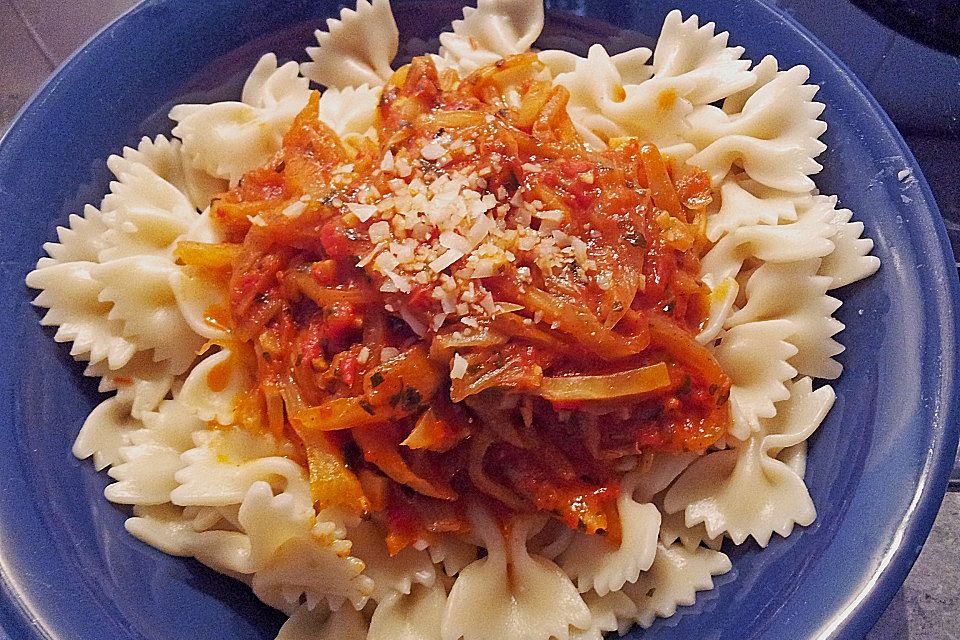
502,342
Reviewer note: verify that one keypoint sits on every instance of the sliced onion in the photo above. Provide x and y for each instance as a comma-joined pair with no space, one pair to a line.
606,387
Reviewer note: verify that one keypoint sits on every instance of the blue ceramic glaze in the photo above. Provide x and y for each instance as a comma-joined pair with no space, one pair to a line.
878,466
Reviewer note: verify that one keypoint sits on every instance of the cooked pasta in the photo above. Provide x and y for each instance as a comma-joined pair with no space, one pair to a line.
494,344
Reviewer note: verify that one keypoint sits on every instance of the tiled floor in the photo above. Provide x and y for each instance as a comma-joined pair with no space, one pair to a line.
36,35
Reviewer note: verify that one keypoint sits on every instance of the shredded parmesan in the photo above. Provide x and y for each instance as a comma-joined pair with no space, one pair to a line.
458,367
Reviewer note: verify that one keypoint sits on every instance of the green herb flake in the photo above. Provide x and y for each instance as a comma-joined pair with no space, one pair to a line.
366,406
376,379
410,398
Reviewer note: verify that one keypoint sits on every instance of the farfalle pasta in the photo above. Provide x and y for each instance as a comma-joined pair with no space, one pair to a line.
504,343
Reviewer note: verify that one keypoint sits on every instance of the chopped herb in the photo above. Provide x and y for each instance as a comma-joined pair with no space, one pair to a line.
299,360
651,591
712,390
376,379
410,399
266,356
685,386
668,307
617,306
366,406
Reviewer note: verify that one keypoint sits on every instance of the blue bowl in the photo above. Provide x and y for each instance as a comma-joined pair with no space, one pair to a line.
878,466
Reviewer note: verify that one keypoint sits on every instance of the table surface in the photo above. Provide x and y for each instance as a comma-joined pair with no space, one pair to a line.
918,87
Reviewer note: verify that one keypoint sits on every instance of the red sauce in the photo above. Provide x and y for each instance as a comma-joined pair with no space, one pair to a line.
419,409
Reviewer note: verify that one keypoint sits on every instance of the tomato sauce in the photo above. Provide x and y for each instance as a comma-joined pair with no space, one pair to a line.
473,305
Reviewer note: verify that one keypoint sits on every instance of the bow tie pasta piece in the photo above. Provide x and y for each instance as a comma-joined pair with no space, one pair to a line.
196,294
808,307
657,471
756,357
603,106
532,599
740,208
72,295
597,565
203,229
747,491
551,541
165,158
271,520
674,579
807,238
493,30
413,616
775,138
81,240
850,260
145,213
624,96
673,528
278,89
214,385
165,527
356,49
798,417
105,431
145,472
453,553
312,568
723,297
606,612
698,59
227,139
266,527
795,457
142,381
223,465
350,111
346,623
144,475
145,304
395,574
763,72
631,65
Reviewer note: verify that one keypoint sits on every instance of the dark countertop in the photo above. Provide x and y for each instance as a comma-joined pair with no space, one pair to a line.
919,88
